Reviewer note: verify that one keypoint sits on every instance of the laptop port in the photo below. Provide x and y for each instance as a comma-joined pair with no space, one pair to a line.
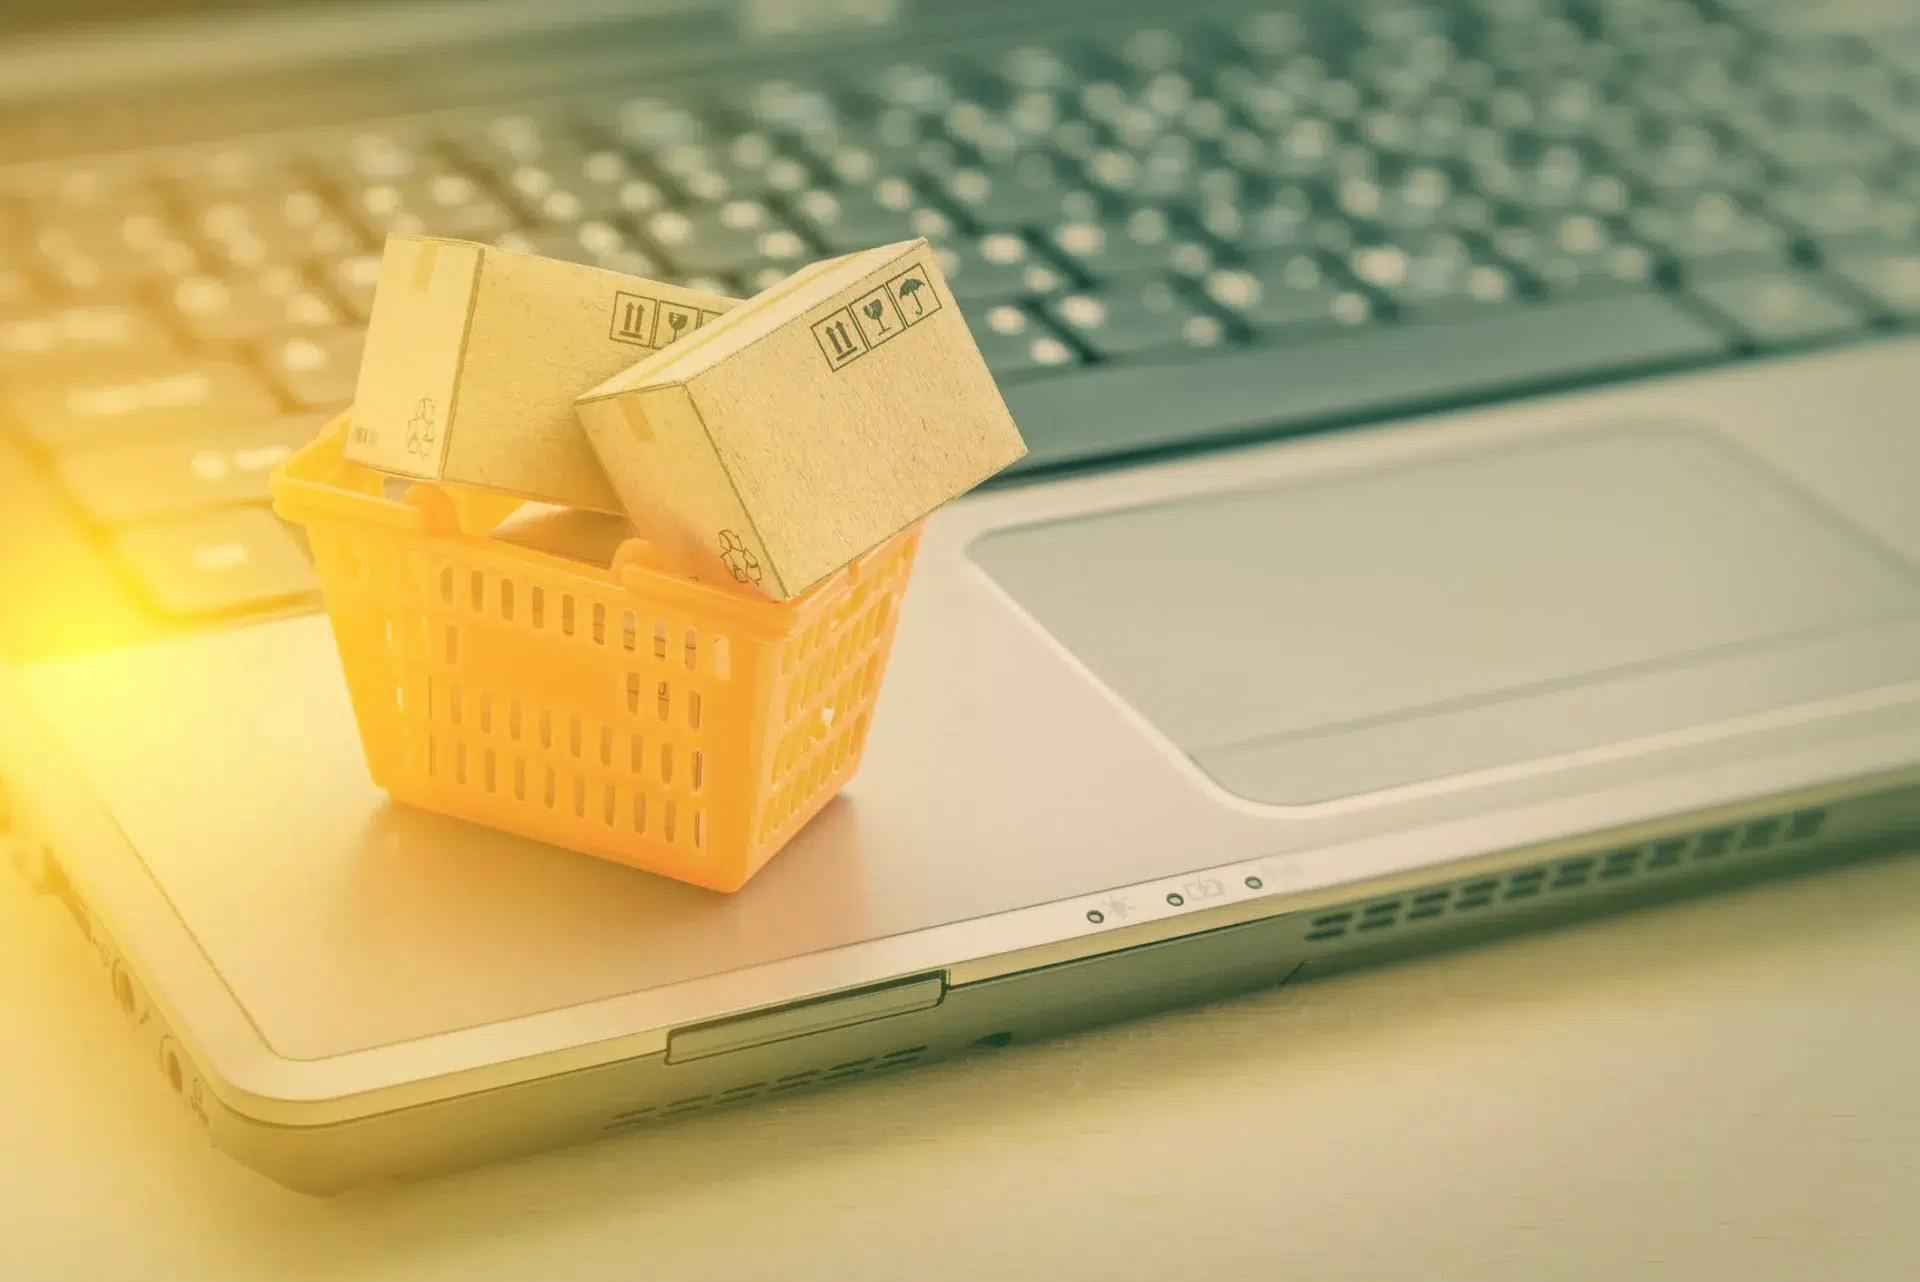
126,992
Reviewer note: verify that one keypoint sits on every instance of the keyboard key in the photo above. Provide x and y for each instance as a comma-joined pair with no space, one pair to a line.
1711,233
1253,393
1433,272
441,204
1138,317
1837,209
377,156
1145,240
235,309
316,370
218,563
1288,293
1781,309
1575,252
257,229
739,235
144,479
1286,217
165,396
596,243
112,253
1890,278
748,166
1033,189
573,187
855,218
1013,341
1681,155
353,280
998,265
515,137
97,334
232,172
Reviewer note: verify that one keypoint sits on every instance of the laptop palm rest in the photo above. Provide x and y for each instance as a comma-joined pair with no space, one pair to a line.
1317,641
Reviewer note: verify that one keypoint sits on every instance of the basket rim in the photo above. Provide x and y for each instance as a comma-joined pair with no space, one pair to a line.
318,485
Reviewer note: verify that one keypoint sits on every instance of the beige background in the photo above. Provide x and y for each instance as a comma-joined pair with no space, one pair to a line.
1723,1089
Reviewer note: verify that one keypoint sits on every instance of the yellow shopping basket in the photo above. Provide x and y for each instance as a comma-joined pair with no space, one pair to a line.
627,713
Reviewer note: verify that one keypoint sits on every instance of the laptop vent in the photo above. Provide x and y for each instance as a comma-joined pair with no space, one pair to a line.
1580,873
812,1077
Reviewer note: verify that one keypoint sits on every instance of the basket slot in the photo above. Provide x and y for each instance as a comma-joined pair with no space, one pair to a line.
693,709
506,600
566,614
537,607
696,769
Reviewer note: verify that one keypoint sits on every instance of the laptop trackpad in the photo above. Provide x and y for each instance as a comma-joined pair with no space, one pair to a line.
1313,641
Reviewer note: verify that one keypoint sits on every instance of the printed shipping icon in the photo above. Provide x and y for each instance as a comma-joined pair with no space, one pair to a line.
807,425
474,355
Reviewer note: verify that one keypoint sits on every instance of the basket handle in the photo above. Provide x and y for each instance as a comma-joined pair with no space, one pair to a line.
457,509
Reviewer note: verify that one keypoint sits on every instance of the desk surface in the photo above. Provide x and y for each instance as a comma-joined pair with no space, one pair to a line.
1719,1089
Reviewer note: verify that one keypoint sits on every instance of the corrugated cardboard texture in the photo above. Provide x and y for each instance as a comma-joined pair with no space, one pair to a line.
840,406
475,355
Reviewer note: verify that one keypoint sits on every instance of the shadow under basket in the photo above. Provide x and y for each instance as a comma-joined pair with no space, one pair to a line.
680,727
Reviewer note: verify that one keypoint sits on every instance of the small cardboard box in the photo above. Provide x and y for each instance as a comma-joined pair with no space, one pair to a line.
807,425
474,355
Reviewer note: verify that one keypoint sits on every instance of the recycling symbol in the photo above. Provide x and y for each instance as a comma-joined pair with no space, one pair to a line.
420,428
742,564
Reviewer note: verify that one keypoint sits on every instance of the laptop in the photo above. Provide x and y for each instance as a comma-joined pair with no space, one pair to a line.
1472,485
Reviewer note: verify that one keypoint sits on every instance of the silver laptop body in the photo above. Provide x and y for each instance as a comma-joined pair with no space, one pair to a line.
1159,726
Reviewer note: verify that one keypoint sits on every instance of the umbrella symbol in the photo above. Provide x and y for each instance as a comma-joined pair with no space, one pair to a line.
909,292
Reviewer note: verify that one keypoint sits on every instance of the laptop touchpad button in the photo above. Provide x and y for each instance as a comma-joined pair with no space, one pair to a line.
1311,641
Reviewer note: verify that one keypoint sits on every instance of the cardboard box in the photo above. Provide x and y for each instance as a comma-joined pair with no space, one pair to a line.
475,354
807,425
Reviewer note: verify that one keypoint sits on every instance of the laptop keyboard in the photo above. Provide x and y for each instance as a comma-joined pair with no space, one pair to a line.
1163,238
